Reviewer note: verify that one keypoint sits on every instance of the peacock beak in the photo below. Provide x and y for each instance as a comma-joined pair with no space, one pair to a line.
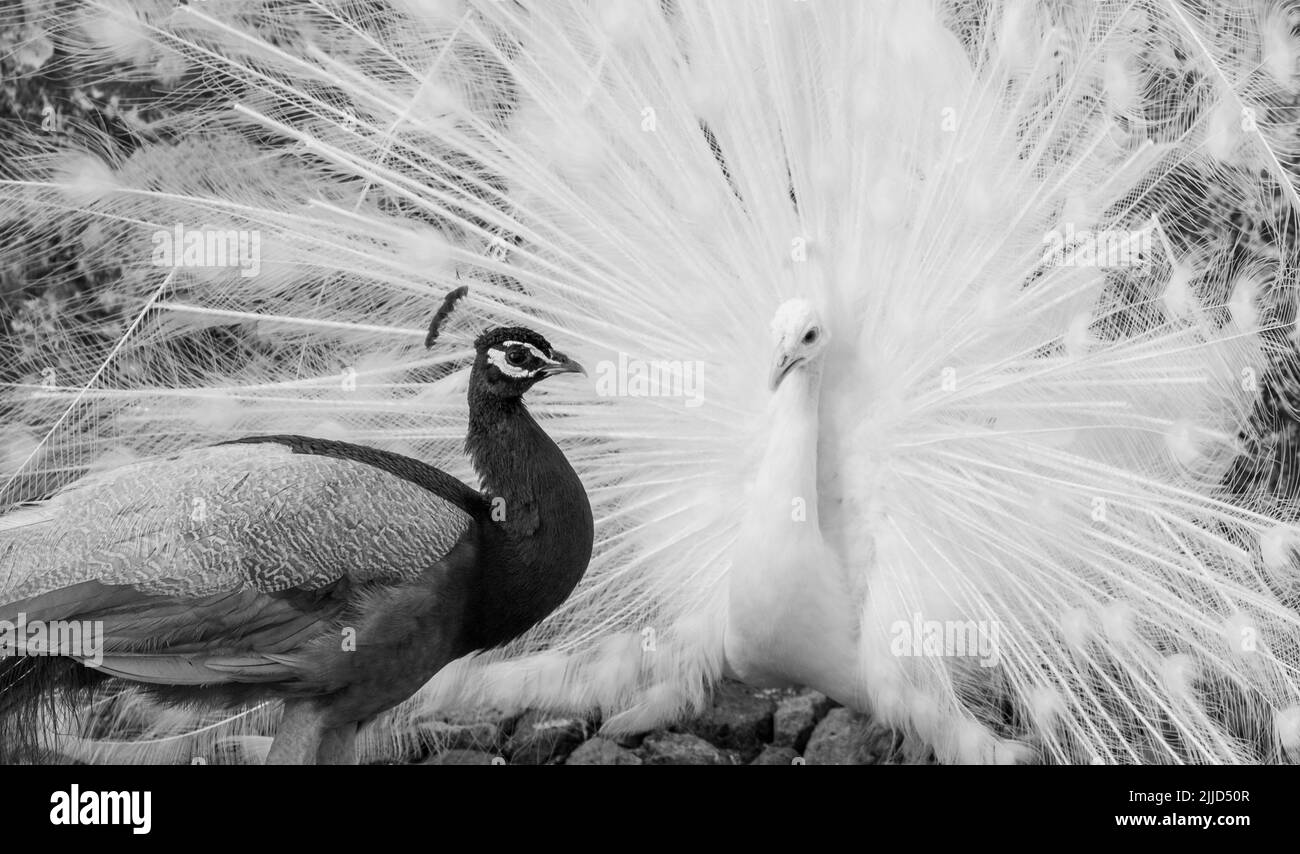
563,365
781,365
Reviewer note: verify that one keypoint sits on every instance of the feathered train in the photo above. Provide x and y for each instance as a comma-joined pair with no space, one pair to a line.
1044,405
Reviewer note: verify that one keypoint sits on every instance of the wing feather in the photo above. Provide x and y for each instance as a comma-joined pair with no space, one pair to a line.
215,519
213,565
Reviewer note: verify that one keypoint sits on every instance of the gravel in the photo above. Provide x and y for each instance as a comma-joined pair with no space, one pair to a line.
743,726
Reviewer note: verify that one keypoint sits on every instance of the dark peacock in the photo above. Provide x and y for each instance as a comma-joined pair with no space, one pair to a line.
336,576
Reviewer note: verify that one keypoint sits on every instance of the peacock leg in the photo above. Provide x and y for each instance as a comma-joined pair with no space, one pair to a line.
300,735
338,746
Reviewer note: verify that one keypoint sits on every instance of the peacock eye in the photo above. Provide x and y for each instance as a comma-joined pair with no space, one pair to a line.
810,336
517,357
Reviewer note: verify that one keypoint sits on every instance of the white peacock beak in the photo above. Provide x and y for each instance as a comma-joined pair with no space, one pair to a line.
782,364
563,365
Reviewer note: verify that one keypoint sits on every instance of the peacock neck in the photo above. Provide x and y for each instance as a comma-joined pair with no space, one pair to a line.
789,470
538,534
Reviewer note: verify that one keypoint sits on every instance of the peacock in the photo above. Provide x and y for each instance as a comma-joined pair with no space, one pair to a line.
791,618
1025,495
335,577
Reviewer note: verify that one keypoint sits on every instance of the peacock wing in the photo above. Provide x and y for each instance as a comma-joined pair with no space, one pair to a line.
216,564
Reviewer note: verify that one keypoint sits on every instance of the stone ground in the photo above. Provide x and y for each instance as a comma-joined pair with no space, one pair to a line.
744,726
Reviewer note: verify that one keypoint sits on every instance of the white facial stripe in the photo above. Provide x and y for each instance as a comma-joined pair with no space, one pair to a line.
498,358
538,354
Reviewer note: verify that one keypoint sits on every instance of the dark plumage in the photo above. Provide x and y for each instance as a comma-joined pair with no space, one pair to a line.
304,543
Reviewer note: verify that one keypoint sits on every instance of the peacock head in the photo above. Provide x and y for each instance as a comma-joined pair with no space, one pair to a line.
511,360
508,361
800,339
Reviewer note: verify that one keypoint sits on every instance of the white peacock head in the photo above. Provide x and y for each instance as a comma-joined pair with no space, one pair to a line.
800,338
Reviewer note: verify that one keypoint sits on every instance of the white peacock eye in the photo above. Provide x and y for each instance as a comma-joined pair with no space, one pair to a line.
810,337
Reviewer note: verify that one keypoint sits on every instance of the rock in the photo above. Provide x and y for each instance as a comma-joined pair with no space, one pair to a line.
740,719
478,729
846,738
680,748
772,755
821,703
540,737
795,718
602,751
465,757
629,740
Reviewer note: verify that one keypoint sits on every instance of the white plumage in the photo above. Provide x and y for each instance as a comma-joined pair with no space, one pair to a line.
1036,445
791,617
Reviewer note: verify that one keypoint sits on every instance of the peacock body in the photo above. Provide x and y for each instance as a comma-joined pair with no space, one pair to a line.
335,577
1040,415
791,618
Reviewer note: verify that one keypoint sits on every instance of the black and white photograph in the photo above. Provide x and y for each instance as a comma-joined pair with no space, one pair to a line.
650,382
